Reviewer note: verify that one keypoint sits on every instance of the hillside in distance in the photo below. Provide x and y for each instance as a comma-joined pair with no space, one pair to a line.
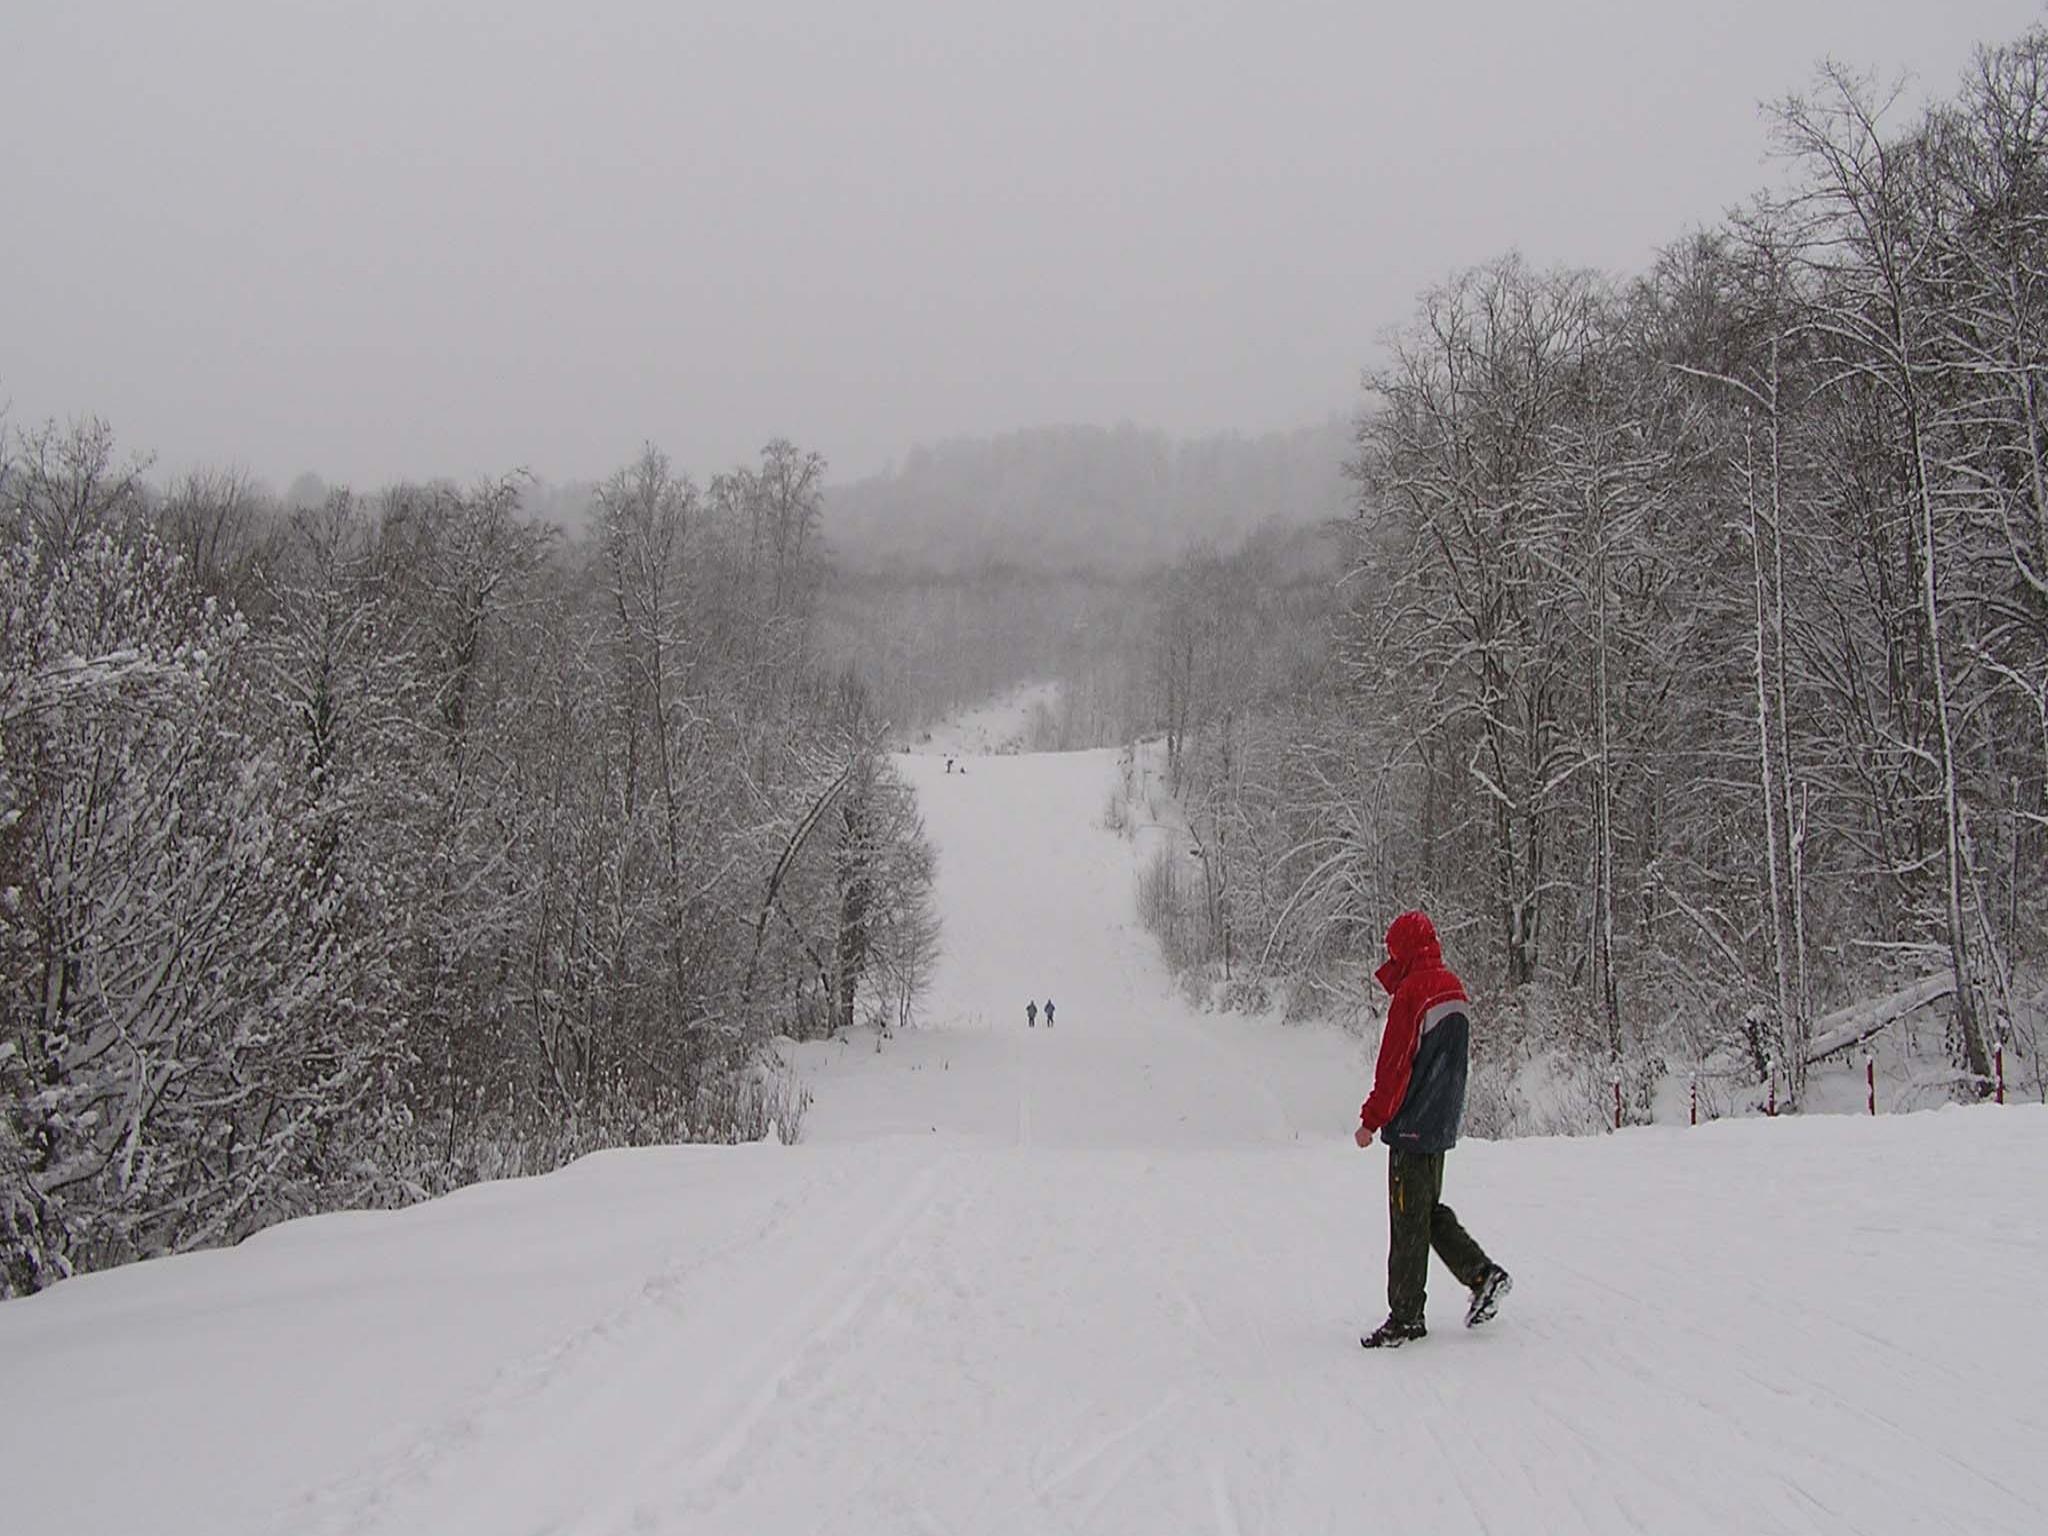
1112,500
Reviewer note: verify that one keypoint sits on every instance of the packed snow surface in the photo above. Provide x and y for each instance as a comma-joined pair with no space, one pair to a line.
1106,1277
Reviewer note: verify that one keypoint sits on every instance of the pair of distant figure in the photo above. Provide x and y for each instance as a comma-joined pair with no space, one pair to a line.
949,766
1031,1014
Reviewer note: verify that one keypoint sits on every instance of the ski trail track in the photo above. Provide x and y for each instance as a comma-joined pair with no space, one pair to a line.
554,1425
1102,1278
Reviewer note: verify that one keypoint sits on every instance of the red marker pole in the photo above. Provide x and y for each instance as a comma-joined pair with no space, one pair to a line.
1695,1101
1998,1066
1870,1078
1771,1104
1617,1103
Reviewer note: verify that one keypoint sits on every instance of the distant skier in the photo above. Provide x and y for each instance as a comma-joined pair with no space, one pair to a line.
1031,1014
1048,1013
1417,1102
949,765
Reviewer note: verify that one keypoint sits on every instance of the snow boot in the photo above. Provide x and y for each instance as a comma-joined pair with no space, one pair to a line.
1486,1296
1392,1334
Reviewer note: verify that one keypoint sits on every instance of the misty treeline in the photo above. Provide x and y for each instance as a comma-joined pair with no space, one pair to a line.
929,645
356,851
983,564
1116,503
1692,661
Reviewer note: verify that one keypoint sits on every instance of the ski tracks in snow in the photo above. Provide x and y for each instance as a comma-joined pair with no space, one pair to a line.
685,1481
361,1499
598,1408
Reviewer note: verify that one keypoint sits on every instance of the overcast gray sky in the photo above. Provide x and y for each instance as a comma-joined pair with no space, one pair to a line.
375,238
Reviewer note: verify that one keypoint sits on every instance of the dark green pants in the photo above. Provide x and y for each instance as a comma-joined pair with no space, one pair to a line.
1417,1221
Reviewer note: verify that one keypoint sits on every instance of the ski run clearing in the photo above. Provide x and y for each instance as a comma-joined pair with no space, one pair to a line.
1107,1277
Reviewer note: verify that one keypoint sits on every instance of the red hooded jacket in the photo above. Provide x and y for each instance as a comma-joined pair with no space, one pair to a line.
1419,983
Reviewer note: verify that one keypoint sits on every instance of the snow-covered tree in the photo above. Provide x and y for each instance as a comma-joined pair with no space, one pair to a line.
192,1052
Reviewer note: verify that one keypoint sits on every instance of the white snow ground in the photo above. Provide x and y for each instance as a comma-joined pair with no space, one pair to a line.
1106,1278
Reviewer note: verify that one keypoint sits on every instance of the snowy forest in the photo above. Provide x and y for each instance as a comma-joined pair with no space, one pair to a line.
361,850
1690,663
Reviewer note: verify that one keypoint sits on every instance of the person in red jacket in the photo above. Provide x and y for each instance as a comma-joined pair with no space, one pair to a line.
1417,1103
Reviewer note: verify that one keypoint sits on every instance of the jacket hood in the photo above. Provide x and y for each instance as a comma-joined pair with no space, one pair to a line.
1411,941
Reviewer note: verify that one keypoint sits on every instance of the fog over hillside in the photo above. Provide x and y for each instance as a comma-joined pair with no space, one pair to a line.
1116,500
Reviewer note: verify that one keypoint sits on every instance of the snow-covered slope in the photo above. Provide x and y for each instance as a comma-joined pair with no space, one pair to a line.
1106,1278
1038,902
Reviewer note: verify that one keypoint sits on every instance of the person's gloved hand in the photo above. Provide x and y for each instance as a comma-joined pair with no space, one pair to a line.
1362,1136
